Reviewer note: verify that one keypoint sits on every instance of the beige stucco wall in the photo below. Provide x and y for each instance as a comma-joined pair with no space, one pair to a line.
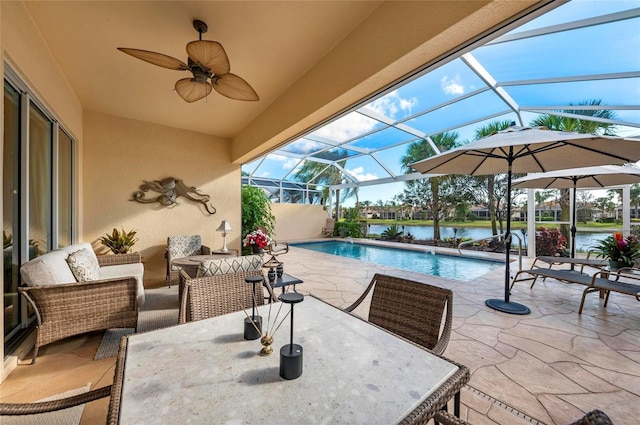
120,154
296,222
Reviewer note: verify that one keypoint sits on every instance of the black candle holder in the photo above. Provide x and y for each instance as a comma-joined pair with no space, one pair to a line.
279,270
253,324
291,354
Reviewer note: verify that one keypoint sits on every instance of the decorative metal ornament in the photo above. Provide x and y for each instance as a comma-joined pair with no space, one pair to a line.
170,189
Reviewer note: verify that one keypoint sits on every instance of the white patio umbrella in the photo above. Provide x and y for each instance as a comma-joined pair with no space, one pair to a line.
528,150
586,177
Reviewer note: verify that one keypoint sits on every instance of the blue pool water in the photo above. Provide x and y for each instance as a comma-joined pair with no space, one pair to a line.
449,266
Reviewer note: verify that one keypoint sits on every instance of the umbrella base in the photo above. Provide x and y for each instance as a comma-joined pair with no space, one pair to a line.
510,307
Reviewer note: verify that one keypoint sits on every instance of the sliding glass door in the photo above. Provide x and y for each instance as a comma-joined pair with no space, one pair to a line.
38,201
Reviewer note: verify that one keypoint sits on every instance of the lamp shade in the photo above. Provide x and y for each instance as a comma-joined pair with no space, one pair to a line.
224,227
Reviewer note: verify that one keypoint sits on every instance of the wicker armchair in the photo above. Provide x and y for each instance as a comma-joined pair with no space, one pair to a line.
595,417
220,288
410,309
69,309
179,247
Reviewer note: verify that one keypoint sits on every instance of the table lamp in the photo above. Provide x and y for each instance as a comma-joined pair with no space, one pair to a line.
224,228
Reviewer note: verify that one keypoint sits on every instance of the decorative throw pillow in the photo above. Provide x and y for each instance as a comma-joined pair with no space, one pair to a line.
83,265
229,265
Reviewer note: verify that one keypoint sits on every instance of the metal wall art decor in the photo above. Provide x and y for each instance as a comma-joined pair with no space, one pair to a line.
170,189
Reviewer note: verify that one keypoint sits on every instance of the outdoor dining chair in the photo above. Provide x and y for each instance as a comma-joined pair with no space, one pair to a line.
220,288
410,309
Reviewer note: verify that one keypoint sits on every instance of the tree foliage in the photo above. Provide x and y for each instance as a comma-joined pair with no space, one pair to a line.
327,175
576,125
256,211
436,193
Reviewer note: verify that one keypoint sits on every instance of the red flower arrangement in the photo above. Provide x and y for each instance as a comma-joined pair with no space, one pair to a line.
258,238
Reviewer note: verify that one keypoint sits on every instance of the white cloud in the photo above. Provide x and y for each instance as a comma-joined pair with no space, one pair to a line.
358,173
278,158
347,127
305,145
452,86
391,103
355,124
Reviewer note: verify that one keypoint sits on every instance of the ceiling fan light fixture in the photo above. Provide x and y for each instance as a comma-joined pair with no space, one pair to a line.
192,90
206,60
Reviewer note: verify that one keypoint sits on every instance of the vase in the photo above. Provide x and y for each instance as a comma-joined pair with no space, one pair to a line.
256,249
615,265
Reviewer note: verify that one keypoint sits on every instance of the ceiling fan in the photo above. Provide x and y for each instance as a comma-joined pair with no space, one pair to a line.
207,60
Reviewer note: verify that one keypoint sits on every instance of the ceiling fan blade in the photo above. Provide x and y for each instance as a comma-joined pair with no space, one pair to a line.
232,86
156,58
210,54
191,90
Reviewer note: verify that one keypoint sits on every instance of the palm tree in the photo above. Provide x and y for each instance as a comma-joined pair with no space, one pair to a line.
327,175
541,196
577,125
428,192
487,130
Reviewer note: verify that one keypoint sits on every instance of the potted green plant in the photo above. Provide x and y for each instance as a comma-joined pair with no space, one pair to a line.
119,242
256,212
619,250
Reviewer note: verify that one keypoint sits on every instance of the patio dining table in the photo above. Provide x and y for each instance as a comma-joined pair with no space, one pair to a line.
354,372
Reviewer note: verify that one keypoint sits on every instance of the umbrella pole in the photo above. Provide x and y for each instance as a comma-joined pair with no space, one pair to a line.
497,304
573,222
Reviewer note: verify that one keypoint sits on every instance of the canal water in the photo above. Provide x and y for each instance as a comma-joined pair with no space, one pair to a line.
584,240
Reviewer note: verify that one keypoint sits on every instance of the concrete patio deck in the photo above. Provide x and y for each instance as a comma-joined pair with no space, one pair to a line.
548,367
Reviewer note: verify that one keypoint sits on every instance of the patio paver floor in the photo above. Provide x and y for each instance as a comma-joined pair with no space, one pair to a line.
547,367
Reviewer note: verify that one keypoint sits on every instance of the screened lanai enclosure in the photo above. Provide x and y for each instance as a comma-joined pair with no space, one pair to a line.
579,59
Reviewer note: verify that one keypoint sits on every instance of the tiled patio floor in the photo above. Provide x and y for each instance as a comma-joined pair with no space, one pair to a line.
546,367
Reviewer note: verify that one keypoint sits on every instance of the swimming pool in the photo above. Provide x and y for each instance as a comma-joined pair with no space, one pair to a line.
449,266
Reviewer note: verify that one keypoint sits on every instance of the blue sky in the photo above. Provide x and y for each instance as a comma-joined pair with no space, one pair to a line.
601,49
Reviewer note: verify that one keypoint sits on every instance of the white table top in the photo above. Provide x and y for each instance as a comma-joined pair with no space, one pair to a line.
205,372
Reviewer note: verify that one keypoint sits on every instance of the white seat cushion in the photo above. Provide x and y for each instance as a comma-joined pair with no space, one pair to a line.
126,270
48,269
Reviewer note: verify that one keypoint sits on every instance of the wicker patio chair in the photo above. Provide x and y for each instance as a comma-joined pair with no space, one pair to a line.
116,388
412,310
180,247
22,409
220,288
114,391
69,309
595,417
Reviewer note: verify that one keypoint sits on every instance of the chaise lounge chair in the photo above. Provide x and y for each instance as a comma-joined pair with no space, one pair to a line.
623,281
